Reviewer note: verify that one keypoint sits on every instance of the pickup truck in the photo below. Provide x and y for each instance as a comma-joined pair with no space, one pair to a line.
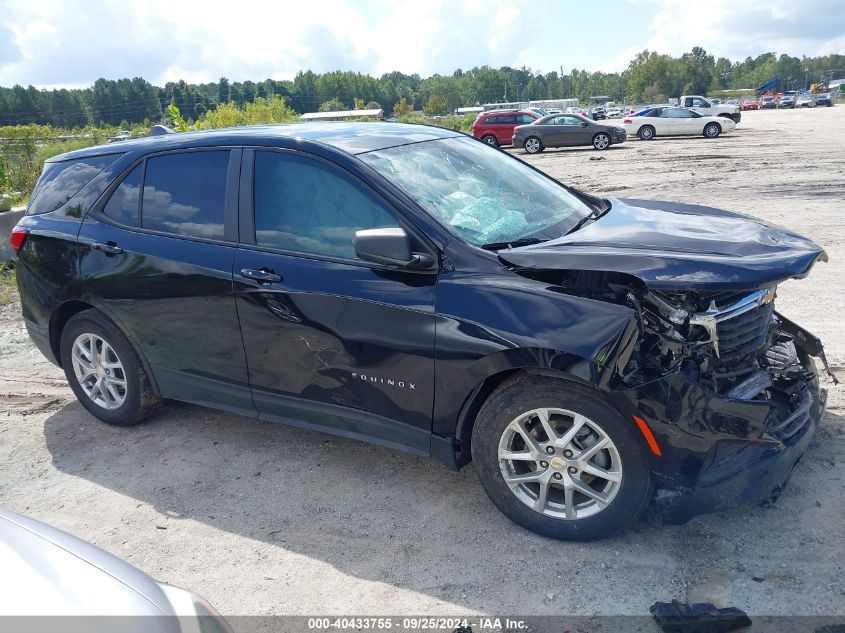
705,107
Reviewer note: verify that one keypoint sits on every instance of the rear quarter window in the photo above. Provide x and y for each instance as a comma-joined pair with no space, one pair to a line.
60,181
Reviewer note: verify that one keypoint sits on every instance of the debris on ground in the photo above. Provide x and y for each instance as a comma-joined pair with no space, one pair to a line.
699,617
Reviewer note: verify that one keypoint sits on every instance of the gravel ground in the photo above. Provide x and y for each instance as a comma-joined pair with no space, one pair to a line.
265,519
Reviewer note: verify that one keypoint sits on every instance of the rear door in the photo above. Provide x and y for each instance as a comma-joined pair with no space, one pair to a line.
156,256
503,128
332,342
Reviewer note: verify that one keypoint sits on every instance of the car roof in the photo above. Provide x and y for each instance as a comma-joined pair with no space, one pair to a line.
349,137
512,111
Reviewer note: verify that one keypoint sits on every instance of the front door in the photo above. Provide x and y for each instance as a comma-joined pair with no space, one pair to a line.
332,342
156,256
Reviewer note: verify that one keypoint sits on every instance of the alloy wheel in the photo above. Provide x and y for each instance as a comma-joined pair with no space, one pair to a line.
99,371
532,145
601,141
560,463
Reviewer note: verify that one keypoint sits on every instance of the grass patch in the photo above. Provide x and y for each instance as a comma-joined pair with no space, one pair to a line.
8,285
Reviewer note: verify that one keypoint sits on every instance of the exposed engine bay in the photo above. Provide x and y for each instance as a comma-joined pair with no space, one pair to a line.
731,342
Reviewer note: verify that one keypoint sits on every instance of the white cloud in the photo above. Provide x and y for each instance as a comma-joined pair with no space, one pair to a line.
727,28
60,44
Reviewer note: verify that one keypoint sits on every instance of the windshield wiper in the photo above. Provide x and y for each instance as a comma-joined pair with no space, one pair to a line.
522,241
595,214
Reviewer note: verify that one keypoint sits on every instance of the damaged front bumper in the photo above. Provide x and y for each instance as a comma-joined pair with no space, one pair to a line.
744,471
718,451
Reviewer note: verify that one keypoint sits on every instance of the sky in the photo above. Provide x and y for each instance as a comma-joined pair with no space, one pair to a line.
70,43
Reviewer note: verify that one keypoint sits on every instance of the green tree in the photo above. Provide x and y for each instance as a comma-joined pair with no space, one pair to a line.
436,106
223,90
402,107
333,105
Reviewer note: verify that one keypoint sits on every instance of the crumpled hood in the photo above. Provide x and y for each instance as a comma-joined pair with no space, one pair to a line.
672,245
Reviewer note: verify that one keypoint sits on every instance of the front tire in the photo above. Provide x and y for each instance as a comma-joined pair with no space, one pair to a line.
491,140
646,133
601,141
104,371
558,460
533,145
712,130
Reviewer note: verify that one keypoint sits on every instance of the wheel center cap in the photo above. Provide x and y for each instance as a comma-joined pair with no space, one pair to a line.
100,371
558,463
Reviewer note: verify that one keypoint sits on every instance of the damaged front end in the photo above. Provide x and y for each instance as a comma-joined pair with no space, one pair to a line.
729,386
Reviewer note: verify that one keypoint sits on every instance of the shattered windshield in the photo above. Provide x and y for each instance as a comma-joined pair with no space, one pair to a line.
480,192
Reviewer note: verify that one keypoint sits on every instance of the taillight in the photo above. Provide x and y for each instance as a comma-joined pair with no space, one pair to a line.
17,239
627,121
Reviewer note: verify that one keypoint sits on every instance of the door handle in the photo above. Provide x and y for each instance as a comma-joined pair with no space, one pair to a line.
261,275
110,248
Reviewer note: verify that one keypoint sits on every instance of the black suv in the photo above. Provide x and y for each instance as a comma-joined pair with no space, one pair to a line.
414,287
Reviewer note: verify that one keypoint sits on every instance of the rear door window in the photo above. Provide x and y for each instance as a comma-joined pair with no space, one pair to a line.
185,193
61,181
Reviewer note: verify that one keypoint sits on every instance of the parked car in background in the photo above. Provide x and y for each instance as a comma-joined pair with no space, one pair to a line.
614,113
824,99
566,130
768,103
749,104
671,121
786,102
805,101
707,107
47,572
599,113
496,127
410,286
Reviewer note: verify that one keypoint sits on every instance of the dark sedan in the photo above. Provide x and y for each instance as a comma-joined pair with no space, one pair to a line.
566,130
824,99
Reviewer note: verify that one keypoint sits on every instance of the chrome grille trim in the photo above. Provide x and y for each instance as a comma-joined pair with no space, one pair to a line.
710,318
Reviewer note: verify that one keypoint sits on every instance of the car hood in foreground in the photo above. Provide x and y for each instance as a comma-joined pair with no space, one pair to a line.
49,572
672,245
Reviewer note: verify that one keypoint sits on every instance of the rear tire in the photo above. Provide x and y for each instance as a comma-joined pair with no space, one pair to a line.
491,140
563,511
646,133
104,371
533,145
712,130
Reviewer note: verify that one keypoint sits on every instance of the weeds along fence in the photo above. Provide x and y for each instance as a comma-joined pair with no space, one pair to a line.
24,148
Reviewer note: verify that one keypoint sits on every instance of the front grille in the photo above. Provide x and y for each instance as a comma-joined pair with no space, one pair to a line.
744,334
738,329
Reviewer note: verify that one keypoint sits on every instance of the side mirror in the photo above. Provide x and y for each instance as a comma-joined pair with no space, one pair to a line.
584,124
391,247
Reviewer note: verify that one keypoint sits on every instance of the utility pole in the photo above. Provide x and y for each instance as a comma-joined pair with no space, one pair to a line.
563,94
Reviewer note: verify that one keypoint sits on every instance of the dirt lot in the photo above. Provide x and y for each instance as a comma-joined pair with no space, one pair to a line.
264,519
